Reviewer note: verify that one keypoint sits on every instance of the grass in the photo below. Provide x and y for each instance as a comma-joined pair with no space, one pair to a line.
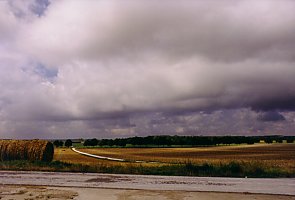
232,169
274,160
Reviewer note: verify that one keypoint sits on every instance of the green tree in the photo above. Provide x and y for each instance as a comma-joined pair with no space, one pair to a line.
290,140
58,143
68,143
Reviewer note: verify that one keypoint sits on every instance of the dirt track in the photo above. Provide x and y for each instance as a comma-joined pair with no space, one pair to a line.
53,193
44,185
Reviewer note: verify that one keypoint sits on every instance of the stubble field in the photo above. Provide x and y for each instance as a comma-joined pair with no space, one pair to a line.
268,156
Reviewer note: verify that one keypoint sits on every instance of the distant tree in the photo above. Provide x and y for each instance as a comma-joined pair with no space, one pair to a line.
119,142
103,142
279,140
68,143
165,140
93,142
86,142
268,140
58,143
290,140
250,141
106,142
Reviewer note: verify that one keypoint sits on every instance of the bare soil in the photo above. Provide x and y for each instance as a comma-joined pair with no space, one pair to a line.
10,192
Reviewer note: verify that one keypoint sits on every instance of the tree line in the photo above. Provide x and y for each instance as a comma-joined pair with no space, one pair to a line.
166,140
60,143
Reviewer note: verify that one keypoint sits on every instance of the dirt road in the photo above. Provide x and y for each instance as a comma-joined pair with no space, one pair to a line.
44,185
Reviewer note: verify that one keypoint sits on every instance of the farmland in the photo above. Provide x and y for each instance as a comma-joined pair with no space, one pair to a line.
274,158
258,160
280,153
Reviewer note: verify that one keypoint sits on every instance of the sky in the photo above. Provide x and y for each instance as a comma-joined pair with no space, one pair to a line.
110,68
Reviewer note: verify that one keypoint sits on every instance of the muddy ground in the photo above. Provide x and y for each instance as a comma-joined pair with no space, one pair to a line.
29,185
10,192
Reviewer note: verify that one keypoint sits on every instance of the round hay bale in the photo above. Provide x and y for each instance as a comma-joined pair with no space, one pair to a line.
33,150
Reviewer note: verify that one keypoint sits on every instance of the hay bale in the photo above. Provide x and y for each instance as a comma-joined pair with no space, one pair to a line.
32,150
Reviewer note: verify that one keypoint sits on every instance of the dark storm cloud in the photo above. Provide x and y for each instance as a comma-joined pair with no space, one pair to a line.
280,103
271,116
113,60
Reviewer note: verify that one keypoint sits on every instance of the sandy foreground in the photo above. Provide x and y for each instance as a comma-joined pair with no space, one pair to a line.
46,185
9,192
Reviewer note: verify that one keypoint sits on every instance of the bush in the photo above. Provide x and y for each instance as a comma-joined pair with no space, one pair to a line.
68,143
58,143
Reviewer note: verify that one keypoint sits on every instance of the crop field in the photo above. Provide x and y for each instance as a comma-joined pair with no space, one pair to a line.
270,155
259,160
69,156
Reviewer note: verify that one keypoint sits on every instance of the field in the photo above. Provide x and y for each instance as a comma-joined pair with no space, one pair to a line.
282,155
259,160
245,159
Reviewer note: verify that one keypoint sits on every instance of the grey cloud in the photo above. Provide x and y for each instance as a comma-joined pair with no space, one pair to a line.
123,122
201,55
220,122
284,102
29,8
45,72
223,31
90,61
271,116
39,6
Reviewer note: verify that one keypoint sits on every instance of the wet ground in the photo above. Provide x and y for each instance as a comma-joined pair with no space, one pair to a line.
9,192
47,185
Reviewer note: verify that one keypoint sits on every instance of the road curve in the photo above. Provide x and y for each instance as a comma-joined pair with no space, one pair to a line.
96,156
109,158
278,186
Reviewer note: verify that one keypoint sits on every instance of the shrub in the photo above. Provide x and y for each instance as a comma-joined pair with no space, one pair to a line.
68,143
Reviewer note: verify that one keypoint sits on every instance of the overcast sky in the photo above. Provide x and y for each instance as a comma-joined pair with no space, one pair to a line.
105,69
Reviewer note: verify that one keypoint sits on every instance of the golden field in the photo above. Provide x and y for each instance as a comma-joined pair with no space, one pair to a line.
274,155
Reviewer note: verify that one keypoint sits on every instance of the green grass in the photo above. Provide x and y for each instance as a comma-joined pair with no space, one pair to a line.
232,169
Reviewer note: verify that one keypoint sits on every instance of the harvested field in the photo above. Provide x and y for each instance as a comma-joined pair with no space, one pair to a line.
33,150
69,156
276,155
266,160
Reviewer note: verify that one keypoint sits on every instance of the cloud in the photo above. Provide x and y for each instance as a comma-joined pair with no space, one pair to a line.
70,61
202,56
223,31
271,116
28,9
